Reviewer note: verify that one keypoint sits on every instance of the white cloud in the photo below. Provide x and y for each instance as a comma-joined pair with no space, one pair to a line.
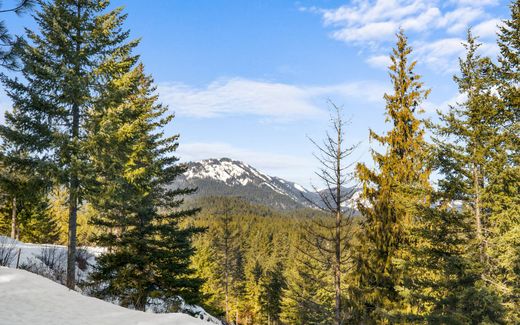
375,20
489,49
239,97
423,21
367,21
371,24
476,3
377,31
458,20
294,168
487,28
272,100
441,54
365,11
379,61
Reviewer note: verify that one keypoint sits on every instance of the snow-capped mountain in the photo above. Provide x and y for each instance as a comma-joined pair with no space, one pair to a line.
226,177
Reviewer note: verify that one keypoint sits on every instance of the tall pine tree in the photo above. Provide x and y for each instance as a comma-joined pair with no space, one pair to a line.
450,260
505,185
60,83
148,253
393,190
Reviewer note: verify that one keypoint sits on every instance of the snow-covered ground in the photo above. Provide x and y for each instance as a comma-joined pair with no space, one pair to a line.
36,258
28,299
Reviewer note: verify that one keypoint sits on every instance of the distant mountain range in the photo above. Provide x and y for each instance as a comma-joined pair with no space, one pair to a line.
226,177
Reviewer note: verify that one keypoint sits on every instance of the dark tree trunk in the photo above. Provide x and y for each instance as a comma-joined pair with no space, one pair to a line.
73,176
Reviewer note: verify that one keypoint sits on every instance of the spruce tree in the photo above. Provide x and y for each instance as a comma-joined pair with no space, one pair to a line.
272,286
442,281
504,187
468,141
393,190
24,188
148,252
60,84
455,230
228,255
307,297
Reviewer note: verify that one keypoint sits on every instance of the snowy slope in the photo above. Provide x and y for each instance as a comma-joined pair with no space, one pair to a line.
226,177
28,299
36,258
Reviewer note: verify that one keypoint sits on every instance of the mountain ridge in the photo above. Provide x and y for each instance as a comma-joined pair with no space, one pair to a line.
228,177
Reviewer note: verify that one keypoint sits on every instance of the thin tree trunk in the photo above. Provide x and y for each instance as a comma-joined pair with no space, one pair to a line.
74,179
478,217
14,223
226,279
337,249
337,271
71,249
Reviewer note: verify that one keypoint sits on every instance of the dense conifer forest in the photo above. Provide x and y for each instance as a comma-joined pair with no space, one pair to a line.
434,237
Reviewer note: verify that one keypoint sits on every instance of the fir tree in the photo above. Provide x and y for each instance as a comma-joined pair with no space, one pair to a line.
60,84
24,188
393,190
37,225
271,294
148,254
454,238
504,187
307,297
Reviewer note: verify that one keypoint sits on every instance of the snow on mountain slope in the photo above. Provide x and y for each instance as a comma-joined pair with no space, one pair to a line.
235,178
28,299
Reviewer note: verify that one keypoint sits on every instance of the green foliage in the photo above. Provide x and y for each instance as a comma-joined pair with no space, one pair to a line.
24,197
37,225
393,191
8,57
148,254
62,80
83,147
309,296
451,260
504,201
261,256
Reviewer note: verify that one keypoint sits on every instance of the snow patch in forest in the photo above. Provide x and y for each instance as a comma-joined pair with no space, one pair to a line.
31,256
28,299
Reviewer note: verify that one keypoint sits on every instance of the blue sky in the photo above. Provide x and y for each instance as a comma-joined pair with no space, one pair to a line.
250,79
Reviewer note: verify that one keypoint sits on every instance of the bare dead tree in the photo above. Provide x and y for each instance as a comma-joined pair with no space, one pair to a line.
331,237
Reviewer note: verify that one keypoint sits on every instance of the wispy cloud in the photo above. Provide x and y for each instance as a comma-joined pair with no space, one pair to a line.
487,28
271,100
437,26
379,61
440,53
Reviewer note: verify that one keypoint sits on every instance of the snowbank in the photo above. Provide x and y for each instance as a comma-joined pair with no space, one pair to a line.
49,261
28,299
